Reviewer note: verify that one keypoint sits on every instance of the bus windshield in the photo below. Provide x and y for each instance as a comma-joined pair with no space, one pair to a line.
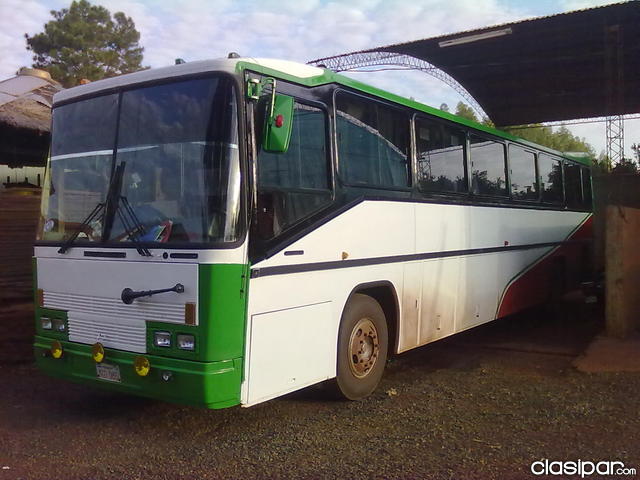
176,145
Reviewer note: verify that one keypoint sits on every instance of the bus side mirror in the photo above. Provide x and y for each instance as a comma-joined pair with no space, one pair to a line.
278,124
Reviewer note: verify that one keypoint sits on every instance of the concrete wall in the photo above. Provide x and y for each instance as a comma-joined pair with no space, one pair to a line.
617,248
622,264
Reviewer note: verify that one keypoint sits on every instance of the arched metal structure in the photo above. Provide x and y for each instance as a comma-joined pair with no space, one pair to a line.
355,61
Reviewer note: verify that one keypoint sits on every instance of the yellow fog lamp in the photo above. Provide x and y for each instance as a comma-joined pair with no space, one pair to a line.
56,349
97,352
141,365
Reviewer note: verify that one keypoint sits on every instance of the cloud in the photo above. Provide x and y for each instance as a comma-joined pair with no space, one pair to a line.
17,18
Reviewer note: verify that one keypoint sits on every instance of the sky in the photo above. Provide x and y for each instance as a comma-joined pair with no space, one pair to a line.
299,30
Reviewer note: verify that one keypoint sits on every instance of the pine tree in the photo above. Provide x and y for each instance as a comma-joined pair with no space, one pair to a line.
85,42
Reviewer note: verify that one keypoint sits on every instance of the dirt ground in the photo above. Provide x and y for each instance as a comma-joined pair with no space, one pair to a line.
484,404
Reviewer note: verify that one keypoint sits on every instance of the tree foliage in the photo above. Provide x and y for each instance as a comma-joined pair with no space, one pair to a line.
559,139
465,111
85,41
626,165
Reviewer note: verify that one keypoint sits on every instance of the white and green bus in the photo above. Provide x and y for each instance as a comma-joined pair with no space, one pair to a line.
224,232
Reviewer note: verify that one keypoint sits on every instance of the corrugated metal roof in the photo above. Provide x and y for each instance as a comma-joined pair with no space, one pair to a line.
571,65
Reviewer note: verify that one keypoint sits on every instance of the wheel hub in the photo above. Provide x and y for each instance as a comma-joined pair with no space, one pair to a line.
363,347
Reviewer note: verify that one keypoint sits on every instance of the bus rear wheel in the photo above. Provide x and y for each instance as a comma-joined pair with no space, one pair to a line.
362,348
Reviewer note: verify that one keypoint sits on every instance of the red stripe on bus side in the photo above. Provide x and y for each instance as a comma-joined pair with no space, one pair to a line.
536,285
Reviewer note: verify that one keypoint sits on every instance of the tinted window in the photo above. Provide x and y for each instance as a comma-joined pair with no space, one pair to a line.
573,185
295,184
174,112
550,179
179,146
372,142
586,187
87,126
487,167
440,155
522,165
304,165
178,165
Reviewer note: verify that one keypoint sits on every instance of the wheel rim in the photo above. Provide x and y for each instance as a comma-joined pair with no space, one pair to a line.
364,348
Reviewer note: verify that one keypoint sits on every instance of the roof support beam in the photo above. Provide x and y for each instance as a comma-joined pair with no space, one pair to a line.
362,61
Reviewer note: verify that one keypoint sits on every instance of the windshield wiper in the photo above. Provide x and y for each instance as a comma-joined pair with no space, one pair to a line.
132,226
109,208
98,209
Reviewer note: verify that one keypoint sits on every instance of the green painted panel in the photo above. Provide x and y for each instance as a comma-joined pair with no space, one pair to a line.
205,384
210,376
222,299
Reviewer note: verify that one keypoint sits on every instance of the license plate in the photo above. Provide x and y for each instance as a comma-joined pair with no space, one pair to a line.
108,372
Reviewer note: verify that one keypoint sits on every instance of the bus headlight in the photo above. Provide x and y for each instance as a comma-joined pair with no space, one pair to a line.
58,325
186,342
46,323
162,339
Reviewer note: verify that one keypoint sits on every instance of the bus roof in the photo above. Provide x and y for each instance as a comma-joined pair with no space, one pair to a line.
294,72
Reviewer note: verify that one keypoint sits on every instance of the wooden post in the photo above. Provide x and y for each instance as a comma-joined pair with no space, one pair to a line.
622,270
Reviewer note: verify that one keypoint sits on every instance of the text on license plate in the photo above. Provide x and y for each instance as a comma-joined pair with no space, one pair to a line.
108,372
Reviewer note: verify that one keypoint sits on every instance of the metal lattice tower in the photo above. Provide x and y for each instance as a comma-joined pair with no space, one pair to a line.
615,139
363,60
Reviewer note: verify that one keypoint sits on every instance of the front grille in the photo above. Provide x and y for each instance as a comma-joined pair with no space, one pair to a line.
109,321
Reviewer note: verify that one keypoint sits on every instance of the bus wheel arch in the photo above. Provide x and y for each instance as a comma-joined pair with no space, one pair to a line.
383,292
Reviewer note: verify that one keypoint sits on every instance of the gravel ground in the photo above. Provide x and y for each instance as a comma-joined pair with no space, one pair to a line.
481,405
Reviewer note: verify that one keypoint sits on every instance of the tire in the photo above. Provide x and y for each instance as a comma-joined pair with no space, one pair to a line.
363,342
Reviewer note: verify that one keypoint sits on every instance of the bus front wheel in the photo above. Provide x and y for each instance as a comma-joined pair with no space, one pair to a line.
362,348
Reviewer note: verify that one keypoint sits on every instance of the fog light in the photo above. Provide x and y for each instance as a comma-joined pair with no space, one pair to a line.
186,342
166,375
162,339
56,349
58,325
46,323
142,366
97,352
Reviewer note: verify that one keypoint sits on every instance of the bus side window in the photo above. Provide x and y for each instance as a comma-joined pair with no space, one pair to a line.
550,171
522,165
488,174
373,141
440,154
294,184
572,186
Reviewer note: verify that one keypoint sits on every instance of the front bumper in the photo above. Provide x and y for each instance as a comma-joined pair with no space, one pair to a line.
204,384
